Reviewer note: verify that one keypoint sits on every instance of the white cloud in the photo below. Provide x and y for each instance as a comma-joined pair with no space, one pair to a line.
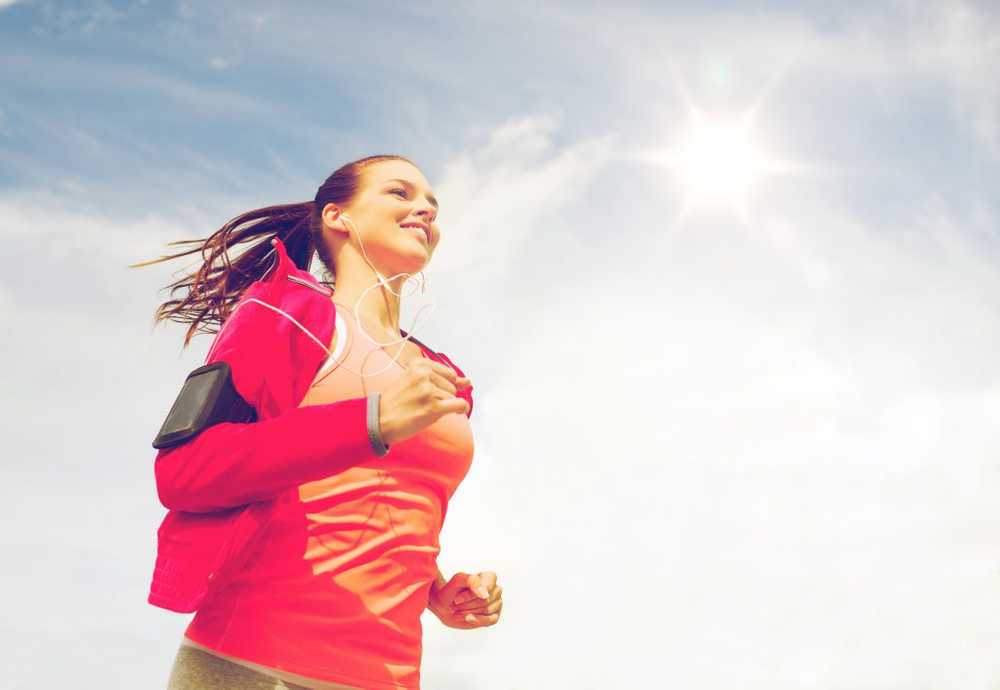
82,17
494,194
946,50
122,79
757,457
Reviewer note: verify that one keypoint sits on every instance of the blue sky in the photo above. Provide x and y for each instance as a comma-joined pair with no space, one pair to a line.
744,442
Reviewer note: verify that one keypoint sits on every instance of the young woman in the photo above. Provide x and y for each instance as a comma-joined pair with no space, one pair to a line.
307,539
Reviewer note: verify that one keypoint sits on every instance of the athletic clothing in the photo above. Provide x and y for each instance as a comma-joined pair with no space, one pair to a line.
197,669
336,585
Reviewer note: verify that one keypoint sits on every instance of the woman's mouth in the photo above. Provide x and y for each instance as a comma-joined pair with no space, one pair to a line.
420,232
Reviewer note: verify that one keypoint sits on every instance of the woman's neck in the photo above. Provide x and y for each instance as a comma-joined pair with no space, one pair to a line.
379,310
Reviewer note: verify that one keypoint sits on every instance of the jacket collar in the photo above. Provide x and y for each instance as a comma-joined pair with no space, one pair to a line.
287,270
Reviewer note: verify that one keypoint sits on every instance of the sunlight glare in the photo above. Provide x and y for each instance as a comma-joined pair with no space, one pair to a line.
718,163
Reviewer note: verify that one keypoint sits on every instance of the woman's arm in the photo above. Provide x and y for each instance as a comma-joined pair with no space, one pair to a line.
230,464
439,581
432,599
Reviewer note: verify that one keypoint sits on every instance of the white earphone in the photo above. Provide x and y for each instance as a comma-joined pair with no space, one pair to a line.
385,284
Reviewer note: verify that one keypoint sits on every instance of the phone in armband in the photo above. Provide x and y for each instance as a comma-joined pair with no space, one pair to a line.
208,397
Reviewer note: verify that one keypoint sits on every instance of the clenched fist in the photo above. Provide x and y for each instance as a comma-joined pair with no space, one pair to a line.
424,393
467,601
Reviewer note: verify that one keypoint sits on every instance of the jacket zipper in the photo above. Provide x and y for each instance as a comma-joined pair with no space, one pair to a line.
300,281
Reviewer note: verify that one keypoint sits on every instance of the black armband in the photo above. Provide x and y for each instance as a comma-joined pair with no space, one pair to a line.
208,397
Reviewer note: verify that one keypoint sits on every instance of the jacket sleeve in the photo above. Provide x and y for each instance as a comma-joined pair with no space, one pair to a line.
231,464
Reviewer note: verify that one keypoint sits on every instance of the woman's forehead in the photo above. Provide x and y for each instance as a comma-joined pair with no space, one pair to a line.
388,170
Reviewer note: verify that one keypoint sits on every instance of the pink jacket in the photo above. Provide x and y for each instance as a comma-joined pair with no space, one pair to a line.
220,485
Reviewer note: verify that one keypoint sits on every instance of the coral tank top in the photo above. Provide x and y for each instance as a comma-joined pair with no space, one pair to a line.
337,583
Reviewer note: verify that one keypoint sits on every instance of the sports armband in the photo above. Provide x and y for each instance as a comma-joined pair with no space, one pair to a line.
208,397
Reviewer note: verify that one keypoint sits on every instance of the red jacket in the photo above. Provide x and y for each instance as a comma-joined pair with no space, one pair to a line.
220,485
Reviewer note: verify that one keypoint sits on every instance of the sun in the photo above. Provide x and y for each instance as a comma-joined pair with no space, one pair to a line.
717,158
718,162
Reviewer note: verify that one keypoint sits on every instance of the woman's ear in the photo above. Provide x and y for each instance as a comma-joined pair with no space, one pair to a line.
332,217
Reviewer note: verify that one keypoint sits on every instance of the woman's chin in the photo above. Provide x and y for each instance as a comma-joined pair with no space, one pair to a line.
412,262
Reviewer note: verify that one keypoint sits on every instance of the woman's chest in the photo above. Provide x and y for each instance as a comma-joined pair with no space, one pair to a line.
408,353
404,353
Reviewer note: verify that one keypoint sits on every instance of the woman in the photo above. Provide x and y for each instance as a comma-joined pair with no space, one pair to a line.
307,540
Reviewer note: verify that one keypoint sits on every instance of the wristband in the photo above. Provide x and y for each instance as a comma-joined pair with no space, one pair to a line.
374,430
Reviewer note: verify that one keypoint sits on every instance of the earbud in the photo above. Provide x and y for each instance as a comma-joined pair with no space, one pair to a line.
347,219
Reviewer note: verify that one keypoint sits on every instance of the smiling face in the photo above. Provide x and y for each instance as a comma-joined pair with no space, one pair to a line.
394,210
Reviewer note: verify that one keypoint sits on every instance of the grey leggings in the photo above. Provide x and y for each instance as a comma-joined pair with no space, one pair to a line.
195,669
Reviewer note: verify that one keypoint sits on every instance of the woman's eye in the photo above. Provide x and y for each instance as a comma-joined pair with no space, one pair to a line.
401,191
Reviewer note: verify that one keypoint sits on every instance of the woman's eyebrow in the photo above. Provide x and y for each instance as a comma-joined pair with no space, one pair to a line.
430,197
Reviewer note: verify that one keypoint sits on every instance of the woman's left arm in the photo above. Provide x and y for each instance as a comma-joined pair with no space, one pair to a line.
439,581
466,601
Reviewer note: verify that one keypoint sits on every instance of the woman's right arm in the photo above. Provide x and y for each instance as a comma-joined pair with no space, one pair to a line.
231,464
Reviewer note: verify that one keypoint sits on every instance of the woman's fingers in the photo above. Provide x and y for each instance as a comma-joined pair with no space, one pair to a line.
470,602
482,609
441,372
478,603
476,620
444,384
481,585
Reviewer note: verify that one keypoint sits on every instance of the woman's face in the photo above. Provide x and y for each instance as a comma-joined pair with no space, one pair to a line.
395,212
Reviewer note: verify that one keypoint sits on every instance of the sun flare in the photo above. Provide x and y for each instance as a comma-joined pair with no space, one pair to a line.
718,162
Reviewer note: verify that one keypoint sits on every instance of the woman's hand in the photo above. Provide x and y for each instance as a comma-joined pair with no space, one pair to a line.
467,601
426,391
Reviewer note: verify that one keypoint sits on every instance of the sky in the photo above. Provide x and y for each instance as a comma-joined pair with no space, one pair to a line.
724,275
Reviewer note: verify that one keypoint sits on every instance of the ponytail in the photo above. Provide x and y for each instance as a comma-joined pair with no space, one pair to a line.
214,290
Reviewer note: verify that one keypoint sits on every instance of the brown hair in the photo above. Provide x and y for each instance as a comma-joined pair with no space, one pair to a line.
213,291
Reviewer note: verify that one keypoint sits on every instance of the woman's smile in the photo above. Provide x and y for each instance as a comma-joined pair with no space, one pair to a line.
419,232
